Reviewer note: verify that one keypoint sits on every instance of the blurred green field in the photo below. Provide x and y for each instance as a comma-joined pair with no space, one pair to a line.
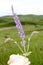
7,21
36,42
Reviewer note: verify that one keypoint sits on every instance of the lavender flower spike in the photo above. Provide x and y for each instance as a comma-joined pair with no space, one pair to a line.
18,26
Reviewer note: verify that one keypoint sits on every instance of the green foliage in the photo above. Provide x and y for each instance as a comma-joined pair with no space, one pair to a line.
36,44
36,20
30,24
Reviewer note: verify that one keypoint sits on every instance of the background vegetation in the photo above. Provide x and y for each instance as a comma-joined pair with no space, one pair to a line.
6,21
7,29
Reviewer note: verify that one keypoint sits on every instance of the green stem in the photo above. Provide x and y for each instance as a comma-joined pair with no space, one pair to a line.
29,41
24,49
19,47
28,46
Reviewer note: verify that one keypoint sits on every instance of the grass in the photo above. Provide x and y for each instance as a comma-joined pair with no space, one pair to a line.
36,44
30,23
7,21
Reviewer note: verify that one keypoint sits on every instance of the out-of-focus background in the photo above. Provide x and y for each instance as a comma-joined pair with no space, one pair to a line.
30,13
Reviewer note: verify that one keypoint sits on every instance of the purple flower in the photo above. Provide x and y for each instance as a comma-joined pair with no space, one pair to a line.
18,26
23,42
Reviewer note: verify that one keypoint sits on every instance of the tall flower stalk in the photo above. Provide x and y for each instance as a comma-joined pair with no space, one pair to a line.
22,35
20,29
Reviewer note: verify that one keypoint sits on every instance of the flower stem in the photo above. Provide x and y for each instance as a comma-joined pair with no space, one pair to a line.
24,49
28,46
19,47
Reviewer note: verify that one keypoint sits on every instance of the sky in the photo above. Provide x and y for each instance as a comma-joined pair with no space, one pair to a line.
21,7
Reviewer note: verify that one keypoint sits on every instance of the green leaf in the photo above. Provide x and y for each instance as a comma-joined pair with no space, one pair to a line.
27,54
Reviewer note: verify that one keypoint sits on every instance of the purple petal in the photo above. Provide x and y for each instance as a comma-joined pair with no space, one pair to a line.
19,26
23,42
